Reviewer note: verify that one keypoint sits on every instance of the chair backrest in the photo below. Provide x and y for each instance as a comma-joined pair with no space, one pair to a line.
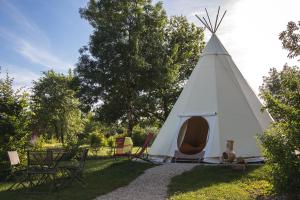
120,142
119,145
83,158
59,155
146,144
40,158
13,158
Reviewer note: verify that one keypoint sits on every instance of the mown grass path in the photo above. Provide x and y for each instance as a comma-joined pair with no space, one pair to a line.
151,185
103,176
220,183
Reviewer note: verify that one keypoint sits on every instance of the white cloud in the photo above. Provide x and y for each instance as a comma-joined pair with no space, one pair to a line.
249,30
22,76
250,33
33,52
193,14
31,43
28,27
40,56
17,16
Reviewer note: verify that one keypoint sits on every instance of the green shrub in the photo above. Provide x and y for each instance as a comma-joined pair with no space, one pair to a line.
4,170
281,142
111,141
279,149
96,140
138,137
39,143
139,134
15,118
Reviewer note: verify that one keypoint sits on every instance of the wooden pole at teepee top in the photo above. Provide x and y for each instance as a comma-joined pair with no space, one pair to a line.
216,22
221,20
208,25
209,20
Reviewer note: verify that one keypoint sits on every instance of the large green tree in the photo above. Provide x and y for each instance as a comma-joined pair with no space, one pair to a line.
290,39
134,59
183,44
281,93
14,118
55,107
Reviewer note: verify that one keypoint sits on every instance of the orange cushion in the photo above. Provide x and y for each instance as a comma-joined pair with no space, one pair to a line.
189,149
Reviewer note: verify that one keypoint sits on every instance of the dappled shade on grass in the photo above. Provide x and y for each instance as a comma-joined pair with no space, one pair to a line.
219,182
102,176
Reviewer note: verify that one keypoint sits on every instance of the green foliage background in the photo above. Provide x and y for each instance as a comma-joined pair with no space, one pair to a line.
136,61
281,142
56,108
15,117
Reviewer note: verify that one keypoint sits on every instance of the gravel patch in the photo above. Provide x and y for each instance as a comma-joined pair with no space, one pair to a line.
150,185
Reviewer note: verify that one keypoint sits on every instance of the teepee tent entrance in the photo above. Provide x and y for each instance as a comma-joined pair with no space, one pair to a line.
215,105
192,137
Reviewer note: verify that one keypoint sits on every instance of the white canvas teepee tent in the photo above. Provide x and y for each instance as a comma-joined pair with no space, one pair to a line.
216,105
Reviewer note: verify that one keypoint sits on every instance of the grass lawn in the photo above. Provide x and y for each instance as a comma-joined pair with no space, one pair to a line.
106,151
103,176
219,182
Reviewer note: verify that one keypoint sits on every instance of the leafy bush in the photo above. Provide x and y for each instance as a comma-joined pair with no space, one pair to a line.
39,143
138,137
281,142
139,134
97,140
56,108
15,117
279,148
111,141
4,170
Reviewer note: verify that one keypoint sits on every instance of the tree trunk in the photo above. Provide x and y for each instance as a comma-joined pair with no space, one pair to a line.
130,122
56,130
62,134
130,118
129,129
165,108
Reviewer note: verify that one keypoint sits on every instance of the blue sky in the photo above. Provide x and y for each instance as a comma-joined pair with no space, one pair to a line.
38,35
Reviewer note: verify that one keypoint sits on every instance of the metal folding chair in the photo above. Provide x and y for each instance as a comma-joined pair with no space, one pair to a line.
40,168
119,149
75,171
19,175
142,152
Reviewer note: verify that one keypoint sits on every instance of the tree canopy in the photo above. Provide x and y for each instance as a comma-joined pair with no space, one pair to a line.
183,44
14,117
55,107
136,61
281,142
290,39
